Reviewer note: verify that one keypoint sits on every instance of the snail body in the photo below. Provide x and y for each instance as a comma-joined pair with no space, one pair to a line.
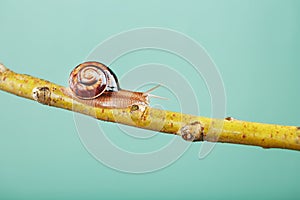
96,85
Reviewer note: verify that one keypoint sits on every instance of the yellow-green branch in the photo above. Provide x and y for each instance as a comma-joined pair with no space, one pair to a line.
189,127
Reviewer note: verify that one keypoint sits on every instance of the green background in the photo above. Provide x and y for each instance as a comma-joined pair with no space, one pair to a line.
255,45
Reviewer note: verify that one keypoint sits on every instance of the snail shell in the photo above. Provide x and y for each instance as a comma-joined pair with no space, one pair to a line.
91,79
95,84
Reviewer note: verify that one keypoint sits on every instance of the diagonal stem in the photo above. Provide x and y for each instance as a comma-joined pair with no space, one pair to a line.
189,127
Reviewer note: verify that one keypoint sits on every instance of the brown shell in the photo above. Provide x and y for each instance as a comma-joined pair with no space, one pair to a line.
90,79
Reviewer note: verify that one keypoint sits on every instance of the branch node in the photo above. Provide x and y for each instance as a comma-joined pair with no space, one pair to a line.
134,108
192,131
2,68
229,118
42,95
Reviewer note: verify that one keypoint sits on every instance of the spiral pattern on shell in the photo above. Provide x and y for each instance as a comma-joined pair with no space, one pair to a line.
90,79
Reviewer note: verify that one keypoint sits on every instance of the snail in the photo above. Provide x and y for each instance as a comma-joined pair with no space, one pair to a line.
95,84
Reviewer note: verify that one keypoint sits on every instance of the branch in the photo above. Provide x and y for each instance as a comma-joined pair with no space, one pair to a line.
189,127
